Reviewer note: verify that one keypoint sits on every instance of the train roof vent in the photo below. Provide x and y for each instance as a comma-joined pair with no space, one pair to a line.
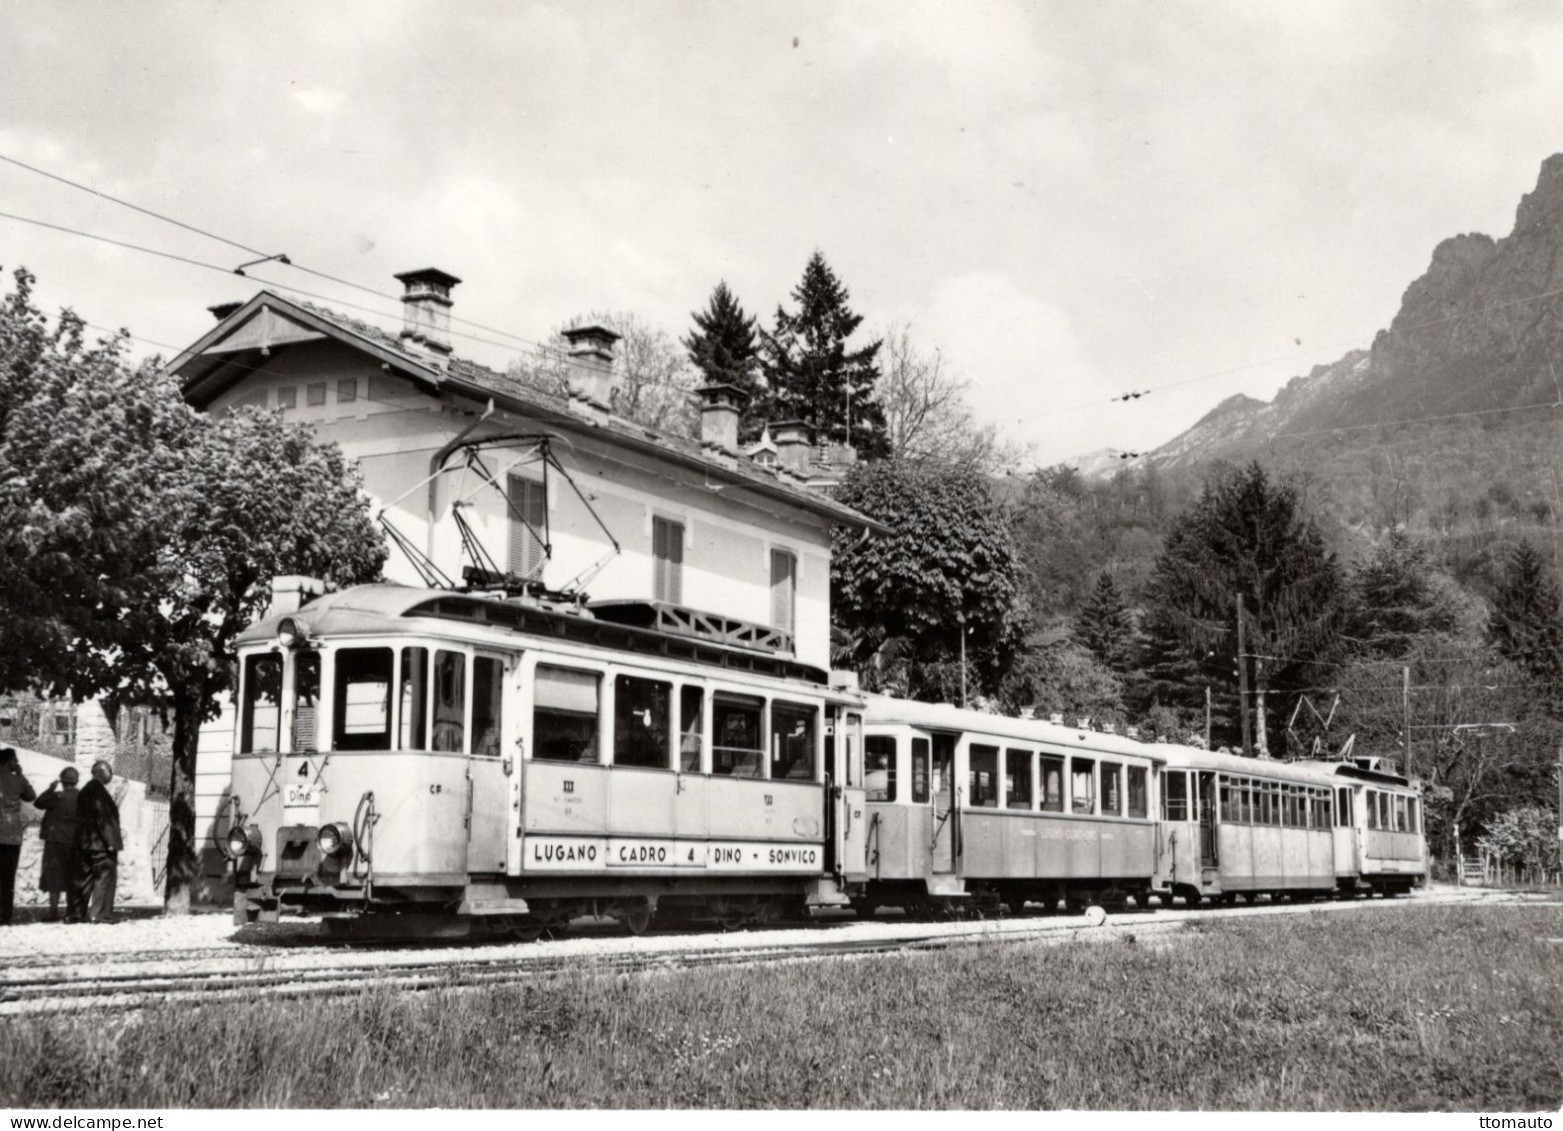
709,627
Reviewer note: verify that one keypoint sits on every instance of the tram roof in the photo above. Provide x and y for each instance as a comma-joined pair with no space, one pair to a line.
1305,773
945,716
370,610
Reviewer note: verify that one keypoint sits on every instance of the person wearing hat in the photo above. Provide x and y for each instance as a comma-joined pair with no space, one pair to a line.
14,789
58,803
98,843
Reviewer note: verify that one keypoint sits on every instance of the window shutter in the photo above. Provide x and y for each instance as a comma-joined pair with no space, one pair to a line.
667,561
783,590
527,500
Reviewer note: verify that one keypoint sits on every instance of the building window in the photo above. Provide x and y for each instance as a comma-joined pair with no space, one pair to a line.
784,591
564,715
528,518
287,397
315,394
642,710
347,390
667,561
880,774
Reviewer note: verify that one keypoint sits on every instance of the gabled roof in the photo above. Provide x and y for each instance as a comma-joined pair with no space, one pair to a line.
238,344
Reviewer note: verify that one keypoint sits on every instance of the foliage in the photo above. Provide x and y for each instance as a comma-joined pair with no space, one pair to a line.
926,414
946,562
723,348
1246,539
1527,624
1526,836
166,525
1105,626
1063,677
812,375
1395,599
653,383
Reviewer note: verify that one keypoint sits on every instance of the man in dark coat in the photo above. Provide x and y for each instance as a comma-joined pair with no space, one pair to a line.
14,789
58,874
98,843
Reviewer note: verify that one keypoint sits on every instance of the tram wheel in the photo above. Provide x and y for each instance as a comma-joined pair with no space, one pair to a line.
527,932
637,919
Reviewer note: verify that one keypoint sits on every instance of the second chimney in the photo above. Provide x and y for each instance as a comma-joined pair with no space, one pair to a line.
426,311
720,406
590,368
793,449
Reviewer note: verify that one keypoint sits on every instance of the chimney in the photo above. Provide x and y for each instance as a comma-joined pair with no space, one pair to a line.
223,309
792,445
719,409
590,369
426,312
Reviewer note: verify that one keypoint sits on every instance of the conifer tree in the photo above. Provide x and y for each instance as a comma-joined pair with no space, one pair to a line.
1524,624
1394,600
812,374
723,347
1105,626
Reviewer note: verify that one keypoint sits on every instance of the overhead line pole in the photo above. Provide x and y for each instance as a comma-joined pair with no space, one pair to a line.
1242,679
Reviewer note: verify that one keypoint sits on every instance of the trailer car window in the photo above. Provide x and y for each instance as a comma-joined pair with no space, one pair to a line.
1139,802
450,701
1082,788
919,770
642,714
1343,808
262,700
488,693
1017,779
880,774
691,721
414,699
737,747
1411,815
564,714
792,742
362,699
1175,795
983,772
1228,801
1400,813
1112,789
1052,784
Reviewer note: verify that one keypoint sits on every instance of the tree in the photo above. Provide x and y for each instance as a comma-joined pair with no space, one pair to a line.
1245,539
1525,625
1105,626
926,415
653,383
139,536
725,351
1394,599
946,564
812,376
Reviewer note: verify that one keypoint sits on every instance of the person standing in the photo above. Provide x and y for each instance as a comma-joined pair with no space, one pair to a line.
98,843
58,803
14,789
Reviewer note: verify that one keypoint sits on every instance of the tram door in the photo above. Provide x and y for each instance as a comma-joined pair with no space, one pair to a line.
847,799
944,847
1207,820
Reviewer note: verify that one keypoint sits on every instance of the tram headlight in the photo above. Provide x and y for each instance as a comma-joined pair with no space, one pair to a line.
334,839
241,841
291,634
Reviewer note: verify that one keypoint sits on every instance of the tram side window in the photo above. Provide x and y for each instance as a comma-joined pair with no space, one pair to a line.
1343,808
920,770
1385,816
1139,800
691,720
488,693
792,742
564,714
450,701
736,744
262,704
362,699
1082,786
1412,825
414,698
880,775
1052,784
1017,779
1174,795
1112,789
306,701
1400,813
1229,806
983,772
1371,797
642,713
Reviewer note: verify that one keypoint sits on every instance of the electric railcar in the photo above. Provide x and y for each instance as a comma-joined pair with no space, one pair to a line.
449,757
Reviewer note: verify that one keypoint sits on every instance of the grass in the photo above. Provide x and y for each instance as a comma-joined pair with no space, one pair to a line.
1412,1008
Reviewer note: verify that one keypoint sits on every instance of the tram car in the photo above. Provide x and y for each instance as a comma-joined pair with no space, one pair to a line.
1002,812
1236,828
439,759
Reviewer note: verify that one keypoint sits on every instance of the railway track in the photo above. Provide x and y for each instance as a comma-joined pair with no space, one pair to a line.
206,976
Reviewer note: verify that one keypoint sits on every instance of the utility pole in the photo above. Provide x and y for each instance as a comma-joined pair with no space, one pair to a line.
963,660
1242,679
1405,706
1207,716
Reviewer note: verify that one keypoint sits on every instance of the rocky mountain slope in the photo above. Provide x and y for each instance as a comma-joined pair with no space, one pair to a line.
1482,329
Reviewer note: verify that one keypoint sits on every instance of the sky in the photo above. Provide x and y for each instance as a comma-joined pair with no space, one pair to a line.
1068,201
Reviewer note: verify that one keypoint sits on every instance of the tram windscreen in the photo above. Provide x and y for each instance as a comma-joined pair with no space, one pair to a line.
362,700
262,701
